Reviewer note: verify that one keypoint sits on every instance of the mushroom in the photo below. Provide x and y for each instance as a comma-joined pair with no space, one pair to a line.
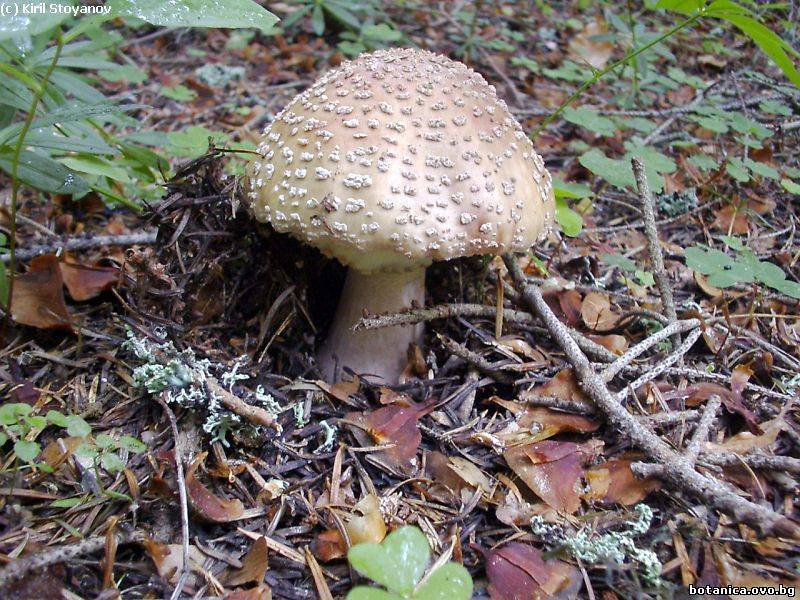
391,161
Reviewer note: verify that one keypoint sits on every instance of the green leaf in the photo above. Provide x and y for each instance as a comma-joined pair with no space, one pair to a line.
36,421
198,13
363,592
193,141
112,463
131,443
94,165
181,93
3,438
43,173
104,440
617,172
318,20
56,418
26,451
77,427
685,7
762,169
66,502
382,32
617,260
737,169
571,221
590,119
451,581
704,162
528,63
128,73
562,189
791,186
774,107
767,40
398,563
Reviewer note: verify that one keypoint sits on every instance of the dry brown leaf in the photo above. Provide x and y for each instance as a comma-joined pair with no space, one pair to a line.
538,418
745,442
366,524
38,297
617,344
552,469
563,385
329,545
262,592
204,503
168,559
456,473
84,282
614,482
585,47
254,565
596,312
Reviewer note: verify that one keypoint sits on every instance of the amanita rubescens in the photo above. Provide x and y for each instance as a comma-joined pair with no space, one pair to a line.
387,163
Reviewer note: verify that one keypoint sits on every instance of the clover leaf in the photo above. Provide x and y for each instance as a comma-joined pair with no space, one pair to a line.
399,563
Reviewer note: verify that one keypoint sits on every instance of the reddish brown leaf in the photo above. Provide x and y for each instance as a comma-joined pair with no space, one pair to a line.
614,482
206,504
596,312
456,473
84,282
551,469
517,572
617,344
38,298
397,425
168,559
570,303
555,421
254,565
329,545
563,385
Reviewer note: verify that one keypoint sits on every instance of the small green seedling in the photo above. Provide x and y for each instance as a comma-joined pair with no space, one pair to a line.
399,563
724,271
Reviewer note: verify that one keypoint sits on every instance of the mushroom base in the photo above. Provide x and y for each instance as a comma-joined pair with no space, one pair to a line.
378,354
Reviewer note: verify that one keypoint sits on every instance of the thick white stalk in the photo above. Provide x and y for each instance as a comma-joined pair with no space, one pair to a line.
380,353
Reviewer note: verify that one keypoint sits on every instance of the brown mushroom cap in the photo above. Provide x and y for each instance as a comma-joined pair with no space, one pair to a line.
401,157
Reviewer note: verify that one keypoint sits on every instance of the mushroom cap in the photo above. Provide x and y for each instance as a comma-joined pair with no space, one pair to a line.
399,158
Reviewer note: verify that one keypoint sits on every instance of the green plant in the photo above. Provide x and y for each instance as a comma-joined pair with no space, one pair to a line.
399,563
349,14
18,423
724,271
369,37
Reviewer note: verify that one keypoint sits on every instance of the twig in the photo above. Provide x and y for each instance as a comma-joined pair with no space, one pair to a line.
662,366
756,460
475,359
700,435
653,245
182,496
623,361
254,414
677,469
83,243
56,554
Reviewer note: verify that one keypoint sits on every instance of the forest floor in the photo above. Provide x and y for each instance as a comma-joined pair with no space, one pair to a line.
499,445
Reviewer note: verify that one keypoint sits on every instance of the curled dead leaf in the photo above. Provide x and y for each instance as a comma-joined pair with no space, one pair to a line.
614,482
254,565
204,503
84,282
38,296
366,522
168,559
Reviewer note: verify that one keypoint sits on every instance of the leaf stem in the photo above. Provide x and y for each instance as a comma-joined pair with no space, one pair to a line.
15,183
598,74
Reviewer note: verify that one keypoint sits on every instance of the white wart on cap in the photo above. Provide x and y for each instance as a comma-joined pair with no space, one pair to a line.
397,159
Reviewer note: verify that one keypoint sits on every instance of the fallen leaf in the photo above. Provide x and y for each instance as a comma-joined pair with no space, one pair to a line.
254,565
456,473
540,418
586,47
329,545
365,524
617,344
570,303
341,390
168,559
596,312
745,442
38,297
562,385
552,469
517,572
205,503
84,282
614,482
395,425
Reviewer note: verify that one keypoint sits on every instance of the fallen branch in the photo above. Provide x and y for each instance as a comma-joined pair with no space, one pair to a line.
254,414
678,470
82,243
653,245
475,359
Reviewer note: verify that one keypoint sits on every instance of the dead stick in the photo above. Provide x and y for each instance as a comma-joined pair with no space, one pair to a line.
700,435
475,359
83,243
678,470
254,414
653,245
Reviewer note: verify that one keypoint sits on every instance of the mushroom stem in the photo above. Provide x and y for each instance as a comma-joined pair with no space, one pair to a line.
376,352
